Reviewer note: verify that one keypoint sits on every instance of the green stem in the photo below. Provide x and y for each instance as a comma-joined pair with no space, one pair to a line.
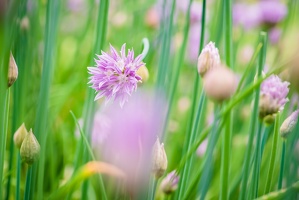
42,106
177,70
257,162
273,156
282,164
208,160
18,181
194,124
225,159
254,120
89,106
153,188
28,183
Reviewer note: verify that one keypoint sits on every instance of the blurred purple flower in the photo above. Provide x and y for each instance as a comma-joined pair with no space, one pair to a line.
248,16
274,35
131,135
115,75
201,150
193,42
195,12
272,11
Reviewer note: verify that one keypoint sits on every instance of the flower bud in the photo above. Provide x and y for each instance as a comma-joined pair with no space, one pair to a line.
220,83
159,157
289,124
30,148
208,59
170,183
12,71
143,73
19,135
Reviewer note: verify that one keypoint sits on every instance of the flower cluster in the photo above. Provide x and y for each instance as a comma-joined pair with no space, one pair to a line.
273,96
115,76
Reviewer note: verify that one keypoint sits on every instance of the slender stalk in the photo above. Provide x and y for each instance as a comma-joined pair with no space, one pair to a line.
153,188
89,106
177,69
28,183
208,160
283,151
225,159
257,162
273,156
194,124
43,102
254,119
18,181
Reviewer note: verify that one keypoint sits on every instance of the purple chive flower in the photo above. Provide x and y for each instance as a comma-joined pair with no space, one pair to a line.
274,35
114,76
170,183
273,96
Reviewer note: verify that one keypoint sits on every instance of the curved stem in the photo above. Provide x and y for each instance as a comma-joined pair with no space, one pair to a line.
146,45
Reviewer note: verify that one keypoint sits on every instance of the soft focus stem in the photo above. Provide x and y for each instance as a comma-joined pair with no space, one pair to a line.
193,123
18,177
283,151
273,156
28,183
254,120
225,159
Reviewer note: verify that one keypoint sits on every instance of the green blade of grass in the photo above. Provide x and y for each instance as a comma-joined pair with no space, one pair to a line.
89,106
254,119
281,172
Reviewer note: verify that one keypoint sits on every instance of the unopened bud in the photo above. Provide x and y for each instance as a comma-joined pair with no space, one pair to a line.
12,71
170,183
220,83
159,157
289,124
208,59
19,135
143,73
30,148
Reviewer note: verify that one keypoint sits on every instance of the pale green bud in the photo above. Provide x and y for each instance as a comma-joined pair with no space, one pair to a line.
159,164
30,148
19,135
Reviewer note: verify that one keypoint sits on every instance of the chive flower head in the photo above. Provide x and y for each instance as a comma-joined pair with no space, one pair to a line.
115,75
208,59
273,96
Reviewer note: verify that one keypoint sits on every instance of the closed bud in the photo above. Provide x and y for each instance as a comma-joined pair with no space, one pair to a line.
12,71
289,124
170,183
159,164
143,73
30,148
220,83
19,135
208,59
